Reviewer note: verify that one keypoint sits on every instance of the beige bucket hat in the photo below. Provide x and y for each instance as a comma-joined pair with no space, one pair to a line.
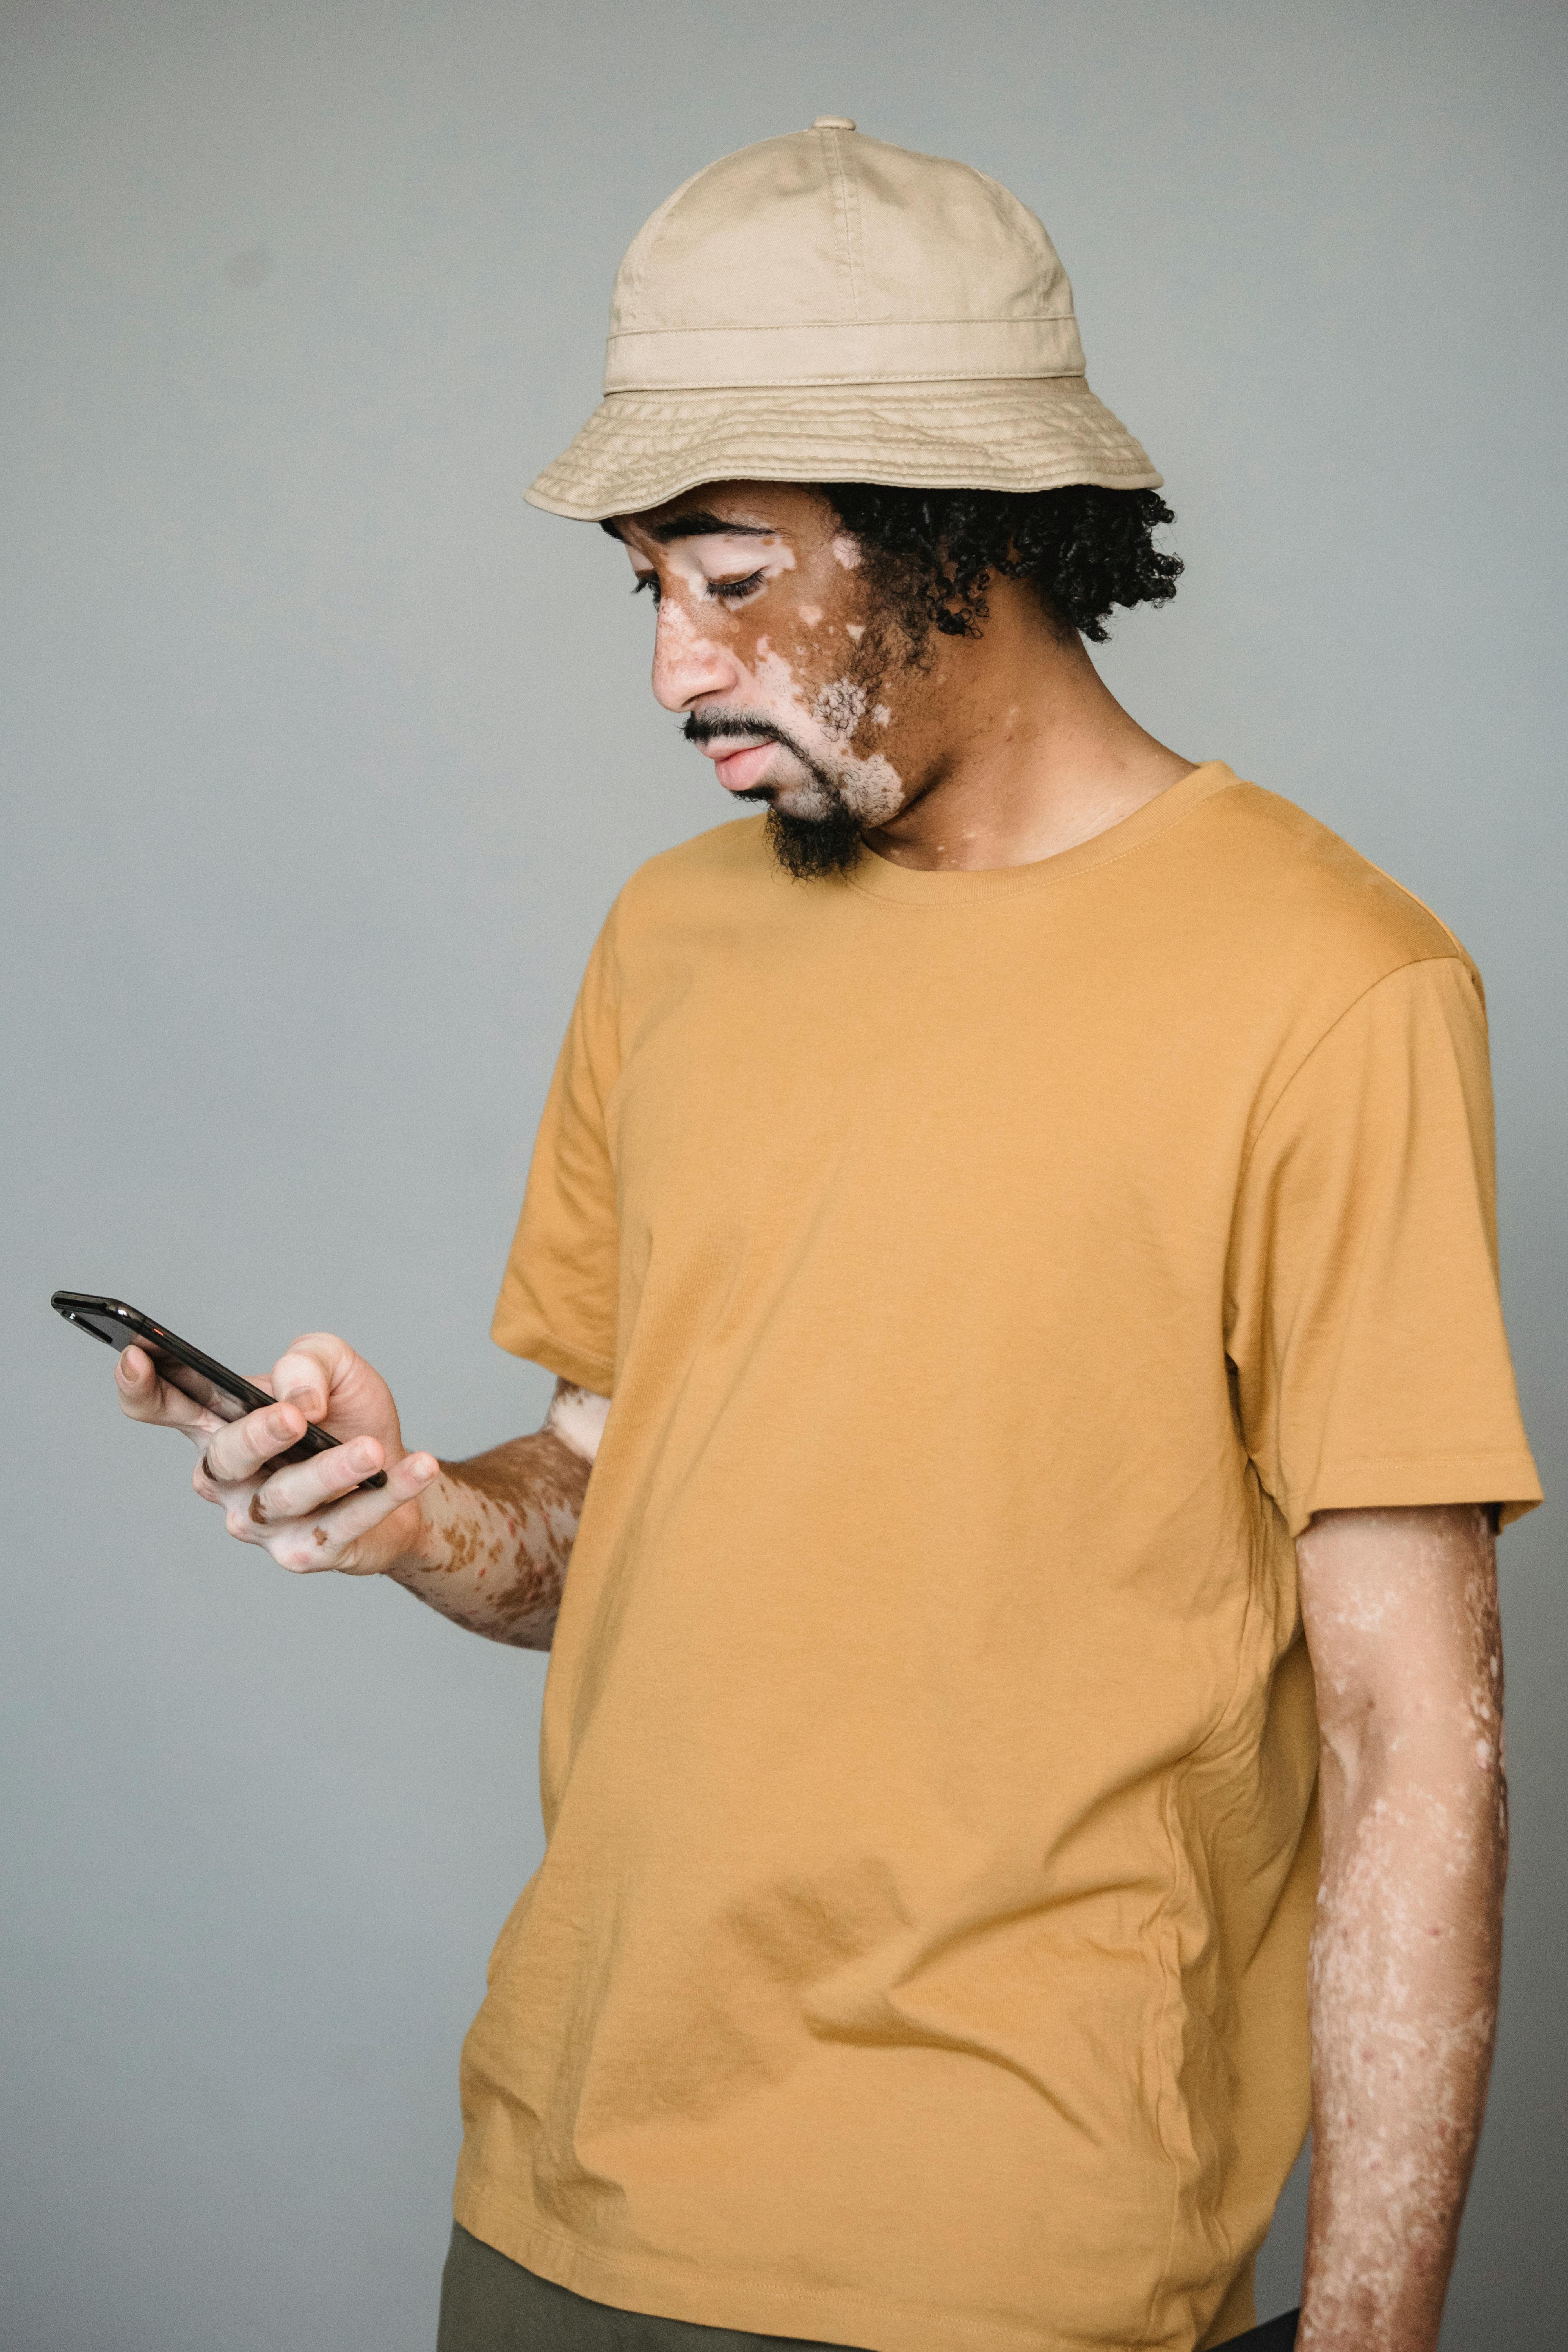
824,307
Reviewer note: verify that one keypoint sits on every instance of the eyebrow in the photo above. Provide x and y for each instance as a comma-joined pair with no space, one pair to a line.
701,524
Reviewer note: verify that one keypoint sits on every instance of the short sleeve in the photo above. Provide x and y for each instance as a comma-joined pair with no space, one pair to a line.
557,1303
1363,1315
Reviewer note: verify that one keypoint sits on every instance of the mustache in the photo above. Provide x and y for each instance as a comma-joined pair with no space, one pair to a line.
708,726
754,726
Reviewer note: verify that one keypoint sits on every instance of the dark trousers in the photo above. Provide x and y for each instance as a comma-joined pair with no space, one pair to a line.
491,2303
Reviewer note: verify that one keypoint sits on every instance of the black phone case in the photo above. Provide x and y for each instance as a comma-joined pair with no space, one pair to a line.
229,1395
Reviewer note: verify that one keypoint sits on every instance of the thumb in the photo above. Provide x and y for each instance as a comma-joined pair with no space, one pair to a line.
310,1369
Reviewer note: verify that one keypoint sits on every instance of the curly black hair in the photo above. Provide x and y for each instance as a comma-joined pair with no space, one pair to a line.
1083,549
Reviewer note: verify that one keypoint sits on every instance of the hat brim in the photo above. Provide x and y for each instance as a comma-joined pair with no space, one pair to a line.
640,449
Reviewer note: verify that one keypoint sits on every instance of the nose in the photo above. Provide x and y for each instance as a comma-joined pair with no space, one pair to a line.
687,663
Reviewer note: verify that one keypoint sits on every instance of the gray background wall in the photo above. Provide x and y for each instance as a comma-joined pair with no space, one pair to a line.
323,757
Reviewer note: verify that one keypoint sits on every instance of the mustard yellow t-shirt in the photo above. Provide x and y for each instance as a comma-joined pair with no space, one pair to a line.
991,1272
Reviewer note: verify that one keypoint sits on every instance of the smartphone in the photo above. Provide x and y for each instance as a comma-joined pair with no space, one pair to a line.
229,1395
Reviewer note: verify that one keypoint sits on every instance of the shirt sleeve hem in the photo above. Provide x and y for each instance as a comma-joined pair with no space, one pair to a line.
583,1369
1409,1481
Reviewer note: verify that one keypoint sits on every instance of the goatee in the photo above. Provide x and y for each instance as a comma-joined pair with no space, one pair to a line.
809,847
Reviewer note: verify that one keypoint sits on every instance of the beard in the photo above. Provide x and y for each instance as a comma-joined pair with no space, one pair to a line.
809,848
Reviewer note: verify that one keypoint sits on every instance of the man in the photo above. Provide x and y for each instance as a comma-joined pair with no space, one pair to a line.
1012,1227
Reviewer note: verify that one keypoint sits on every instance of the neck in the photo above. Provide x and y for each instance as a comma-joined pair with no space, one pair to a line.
1024,751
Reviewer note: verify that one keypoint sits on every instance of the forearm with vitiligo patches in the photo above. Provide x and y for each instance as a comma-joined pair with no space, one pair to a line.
1403,1985
1405,2012
499,1529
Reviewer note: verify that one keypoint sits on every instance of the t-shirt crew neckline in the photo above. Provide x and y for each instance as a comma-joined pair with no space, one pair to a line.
909,885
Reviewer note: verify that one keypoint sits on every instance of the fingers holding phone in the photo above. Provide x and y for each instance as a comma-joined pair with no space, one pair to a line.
315,1473
317,1514
143,1396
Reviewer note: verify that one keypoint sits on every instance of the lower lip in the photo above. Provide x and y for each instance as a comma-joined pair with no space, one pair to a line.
739,772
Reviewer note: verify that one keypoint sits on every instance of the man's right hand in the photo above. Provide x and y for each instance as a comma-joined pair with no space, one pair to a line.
306,1514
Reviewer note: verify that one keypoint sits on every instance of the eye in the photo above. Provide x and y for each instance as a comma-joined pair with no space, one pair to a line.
647,580
733,592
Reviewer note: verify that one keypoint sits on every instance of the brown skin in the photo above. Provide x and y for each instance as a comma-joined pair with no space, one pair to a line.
485,1541
1003,750
1008,746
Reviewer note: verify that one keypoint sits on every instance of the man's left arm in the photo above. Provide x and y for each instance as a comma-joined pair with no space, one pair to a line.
1400,1614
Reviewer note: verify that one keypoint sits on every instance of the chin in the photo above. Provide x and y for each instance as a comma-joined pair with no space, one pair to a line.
803,803
811,848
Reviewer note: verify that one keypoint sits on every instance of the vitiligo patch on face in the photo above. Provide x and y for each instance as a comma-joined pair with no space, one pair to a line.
839,707
870,788
697,563
708,659
679,637
873,790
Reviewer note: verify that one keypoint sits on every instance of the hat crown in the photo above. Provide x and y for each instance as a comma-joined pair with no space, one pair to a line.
826,257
